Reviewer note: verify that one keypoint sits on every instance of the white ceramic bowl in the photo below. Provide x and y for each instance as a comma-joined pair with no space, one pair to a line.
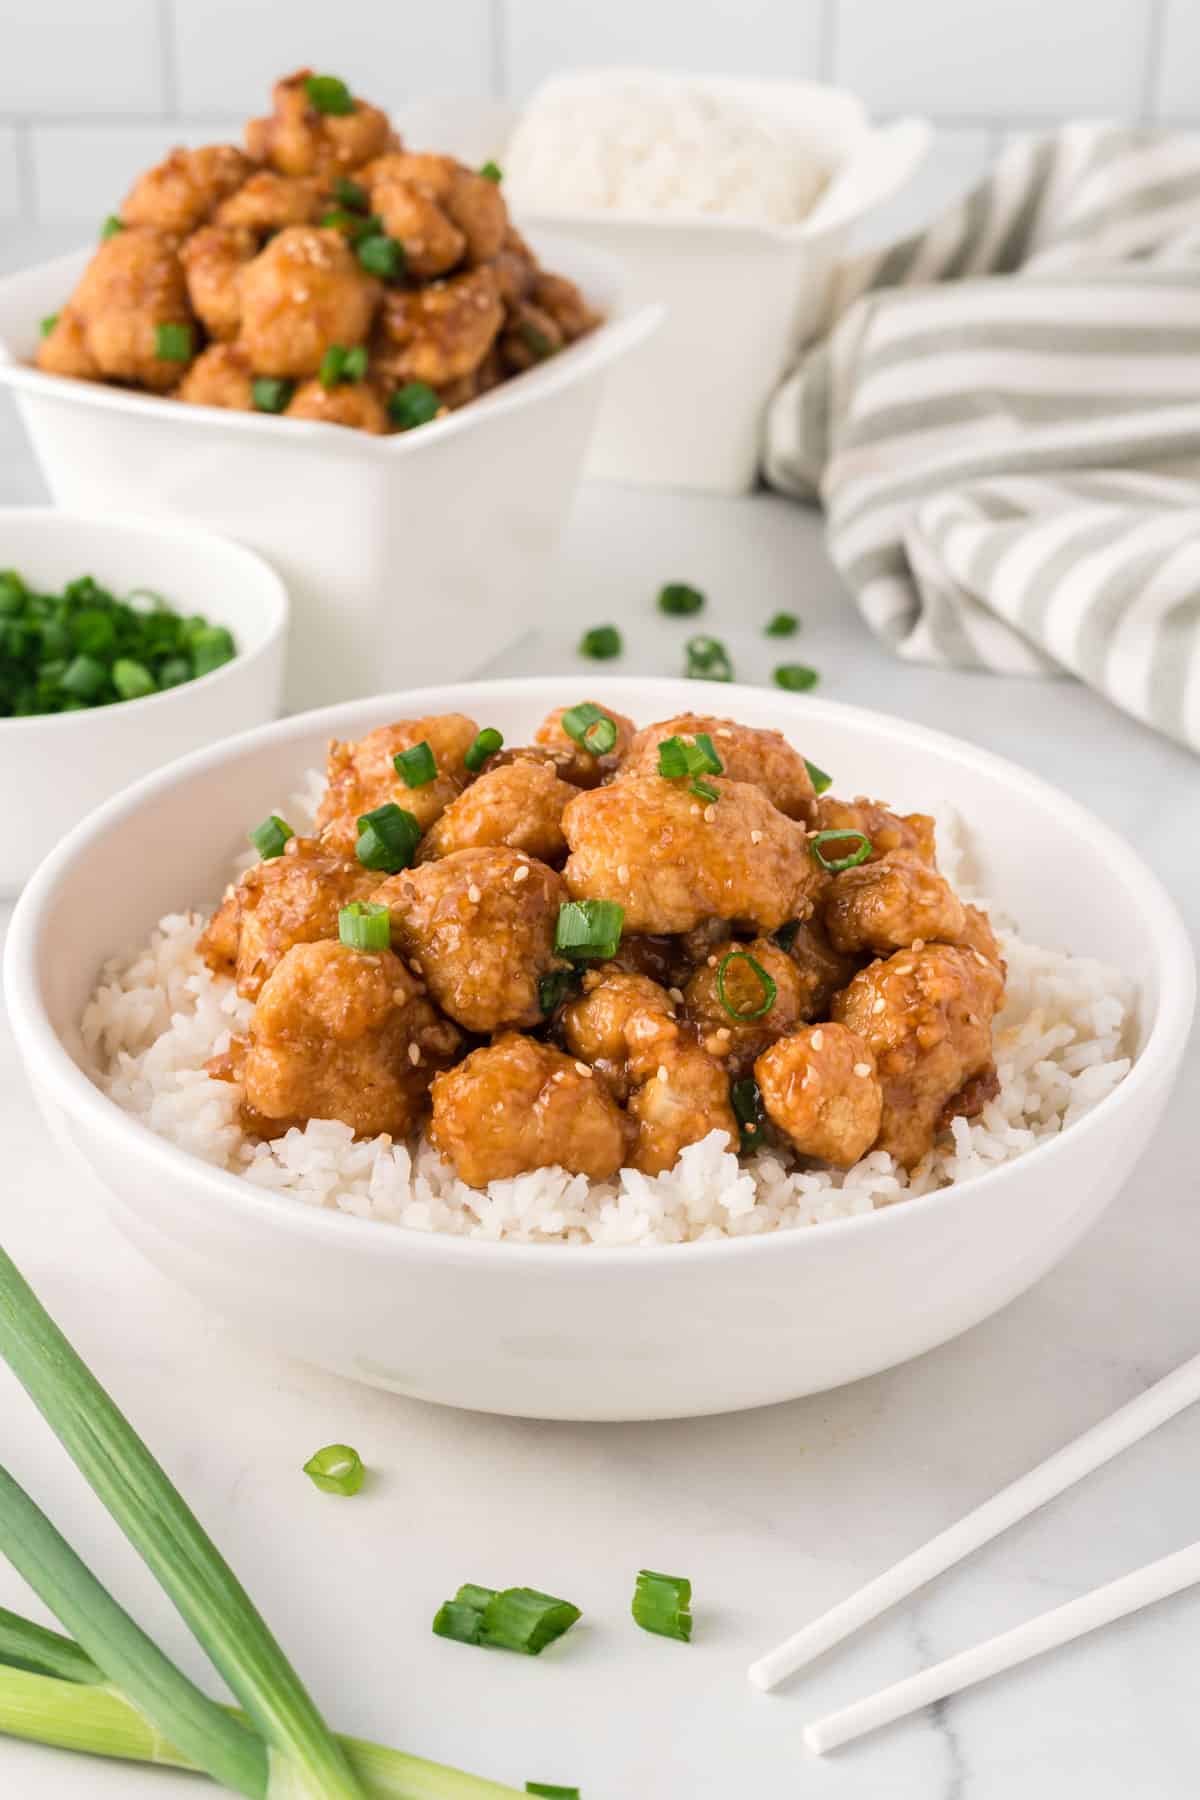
58,768
407,558
586,1333
686,410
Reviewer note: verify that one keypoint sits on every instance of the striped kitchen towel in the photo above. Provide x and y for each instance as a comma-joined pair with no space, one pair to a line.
1004,424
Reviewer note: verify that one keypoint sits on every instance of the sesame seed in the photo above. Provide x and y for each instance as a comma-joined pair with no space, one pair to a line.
710,813
676,995
862,1069
521,874
712,962
474,895
724,1033
623,874
756,837
972,1019
879,1005
560,1075
723,731
918,944
582,1069
818,1040
399,996
414,1055
695,811
662,1072
981,959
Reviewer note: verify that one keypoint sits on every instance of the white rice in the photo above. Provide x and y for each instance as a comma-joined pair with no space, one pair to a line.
158,1014
638,142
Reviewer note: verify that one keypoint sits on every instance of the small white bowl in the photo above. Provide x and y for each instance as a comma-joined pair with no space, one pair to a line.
581,1332
407,558
59,767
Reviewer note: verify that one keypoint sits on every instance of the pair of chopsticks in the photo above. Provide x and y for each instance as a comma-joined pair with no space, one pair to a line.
1116,1600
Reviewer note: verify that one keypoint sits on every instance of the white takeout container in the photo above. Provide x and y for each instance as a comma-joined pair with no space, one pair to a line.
57,768
687,410
407,558
573,1332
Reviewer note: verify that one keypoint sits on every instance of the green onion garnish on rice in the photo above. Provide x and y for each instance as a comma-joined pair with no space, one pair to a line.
662,1604
416,767
678,756
590,727
270,837
589,928
520,1619
363,926
863,849
387,839
820,780
751,1005
486,744
338,1468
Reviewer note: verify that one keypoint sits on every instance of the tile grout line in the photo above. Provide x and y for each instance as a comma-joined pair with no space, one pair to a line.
1156,34
827,40
26,174
498,17
168,65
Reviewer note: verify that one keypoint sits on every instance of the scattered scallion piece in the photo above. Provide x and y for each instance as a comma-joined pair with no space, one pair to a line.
548,1792
662,1604
355,365
387,839
707,660
132,680
110,227
762,1000
492,171
704,790
271,394
782,624
351,193
174,342
601,642
413,404
520,1619
486,744
48,323
329,95
553,989
589,929
332,364
381,255
211,647
353,225
746,1101
83,677
676,757
338,1468
679,600
819,839
270,837
362,925
535,341
820,780
591,727
785,937
416,767
796,678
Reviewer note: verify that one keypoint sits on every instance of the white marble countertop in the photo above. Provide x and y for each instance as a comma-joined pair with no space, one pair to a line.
773,1514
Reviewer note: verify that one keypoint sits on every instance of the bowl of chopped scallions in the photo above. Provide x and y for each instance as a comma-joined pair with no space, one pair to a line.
123,644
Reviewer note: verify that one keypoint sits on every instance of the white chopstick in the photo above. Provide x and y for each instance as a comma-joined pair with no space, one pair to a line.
1155,1581
1132,1422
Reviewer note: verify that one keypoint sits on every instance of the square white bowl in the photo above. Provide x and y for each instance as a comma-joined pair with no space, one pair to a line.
406,558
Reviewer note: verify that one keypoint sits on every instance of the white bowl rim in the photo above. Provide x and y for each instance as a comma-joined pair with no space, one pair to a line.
275,597
48,1060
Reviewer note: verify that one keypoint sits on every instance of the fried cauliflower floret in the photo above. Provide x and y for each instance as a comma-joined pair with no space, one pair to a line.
481,380
303,293
886,830
519,1105
685,1098
891,902
213,259
530,335
480,927
926,1016
343,1034
440,333
579,766
763,758
520,805
737,1041
673,860
820,1088
614,1024
220,376
977,935
353,403
516,268
472,205
298,139
269,202
292,899
64,350
362,774
183,191
133,285
433,244
562,300
822,970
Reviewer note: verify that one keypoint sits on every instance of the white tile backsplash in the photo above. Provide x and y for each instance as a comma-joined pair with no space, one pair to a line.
1177,90
10,177
729,37
228,52
83,174
81,56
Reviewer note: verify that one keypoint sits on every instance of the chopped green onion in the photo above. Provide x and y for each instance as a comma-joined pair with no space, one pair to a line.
332,364
110,227
677,756
173,343
820,780
355,365
589,928
535,340
767,989
270,394
796,678
785,937
381,255
270,837
707,660
388,838
553,989
84,677
48,323
850,861
591,727
520,1619
678,599
415,767
351,194
492,171
329,95
174,672
746,1101
549,1792
662,1604
337,1469
362,925
132,680
703,790
486,744
601,642
413,404
783,624
355,226
210,648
